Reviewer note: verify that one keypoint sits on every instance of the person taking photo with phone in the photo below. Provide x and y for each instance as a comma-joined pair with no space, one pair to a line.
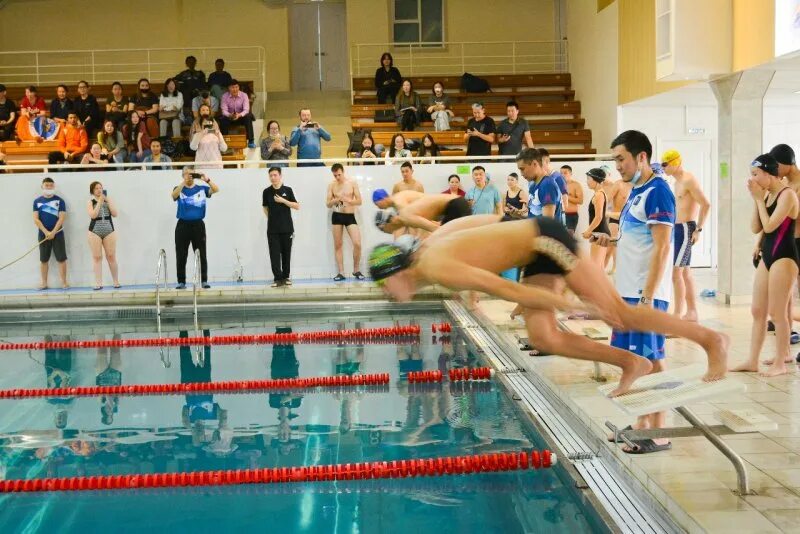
207,140
192,194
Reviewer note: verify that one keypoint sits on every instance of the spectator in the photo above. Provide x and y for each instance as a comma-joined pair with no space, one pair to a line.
137,139
387,79
306,137
407,183
112,142
204,98
219,80
32,104
61,106
367,150
598,222
343,198
102,236
170,104
397,150
190,81
512,131
72,142
643,256
117,106
480,132
454,186
407,107
95,156
207,140
484,198
87,109
8,115
274,145
439,108
278,201
156,156
515,203
428,149
146,105
236,110
192,198
574,198
49,214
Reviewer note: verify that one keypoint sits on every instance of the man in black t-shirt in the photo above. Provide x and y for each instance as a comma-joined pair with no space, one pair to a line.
480,132
8,116
511,132
278,201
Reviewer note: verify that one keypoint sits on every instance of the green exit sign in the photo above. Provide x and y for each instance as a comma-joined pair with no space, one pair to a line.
462,169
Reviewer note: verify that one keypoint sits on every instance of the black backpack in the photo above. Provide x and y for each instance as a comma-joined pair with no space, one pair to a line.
472,84
168,147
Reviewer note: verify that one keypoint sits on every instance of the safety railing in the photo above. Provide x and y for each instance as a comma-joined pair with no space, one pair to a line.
161,267
126,65
455,58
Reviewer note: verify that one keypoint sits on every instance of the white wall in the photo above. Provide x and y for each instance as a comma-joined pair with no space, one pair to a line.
780,125
234,221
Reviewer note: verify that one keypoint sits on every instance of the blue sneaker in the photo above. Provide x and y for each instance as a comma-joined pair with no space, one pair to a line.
251,144
180,286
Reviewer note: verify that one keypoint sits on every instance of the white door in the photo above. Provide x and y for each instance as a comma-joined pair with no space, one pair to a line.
696,156
319,46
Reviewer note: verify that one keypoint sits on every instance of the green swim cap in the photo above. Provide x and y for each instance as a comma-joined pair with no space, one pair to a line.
386,260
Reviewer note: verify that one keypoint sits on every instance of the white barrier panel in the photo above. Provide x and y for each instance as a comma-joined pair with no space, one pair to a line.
234,220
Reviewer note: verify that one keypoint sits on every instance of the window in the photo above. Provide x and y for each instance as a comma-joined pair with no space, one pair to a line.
418,21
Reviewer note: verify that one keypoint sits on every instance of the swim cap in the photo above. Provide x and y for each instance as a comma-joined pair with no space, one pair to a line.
391,258
384,217
766,163
378,195
669,156
606,169
783,154
599,175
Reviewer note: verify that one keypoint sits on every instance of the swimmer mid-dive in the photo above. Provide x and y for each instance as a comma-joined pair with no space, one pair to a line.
411,209
468,254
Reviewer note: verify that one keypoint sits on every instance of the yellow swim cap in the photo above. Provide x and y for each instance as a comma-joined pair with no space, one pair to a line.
671,156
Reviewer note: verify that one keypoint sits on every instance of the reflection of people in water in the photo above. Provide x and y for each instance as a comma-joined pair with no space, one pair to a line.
108,372
347,361
199,408
58,370
284,364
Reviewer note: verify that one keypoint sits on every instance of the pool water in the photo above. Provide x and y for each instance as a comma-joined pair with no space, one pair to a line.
154,434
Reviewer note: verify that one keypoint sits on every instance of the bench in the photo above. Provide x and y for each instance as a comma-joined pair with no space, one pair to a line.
459,123
456,138
496,81
493,109
521,95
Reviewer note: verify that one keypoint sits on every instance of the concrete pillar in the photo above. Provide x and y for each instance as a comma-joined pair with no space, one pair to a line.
740,100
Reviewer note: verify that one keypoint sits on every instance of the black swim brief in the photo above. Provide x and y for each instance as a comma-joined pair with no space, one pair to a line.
612,220
556,251
572,220
455,209
343,219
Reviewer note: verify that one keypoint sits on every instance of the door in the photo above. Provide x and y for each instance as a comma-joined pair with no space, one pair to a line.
319,46
696,156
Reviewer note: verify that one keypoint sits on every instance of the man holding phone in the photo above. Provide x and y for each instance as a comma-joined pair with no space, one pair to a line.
277,202
192,195
306,137
480,133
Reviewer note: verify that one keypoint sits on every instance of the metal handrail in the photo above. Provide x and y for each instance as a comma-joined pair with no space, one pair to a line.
161,266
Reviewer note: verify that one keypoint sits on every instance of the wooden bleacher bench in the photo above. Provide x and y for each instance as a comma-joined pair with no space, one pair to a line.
493,109
455,139
520,95
423,84
459,123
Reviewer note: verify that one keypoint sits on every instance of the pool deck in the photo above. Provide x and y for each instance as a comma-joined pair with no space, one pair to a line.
694,481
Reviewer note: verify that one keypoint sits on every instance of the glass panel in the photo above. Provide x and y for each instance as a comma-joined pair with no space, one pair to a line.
432,21
406,32
405,9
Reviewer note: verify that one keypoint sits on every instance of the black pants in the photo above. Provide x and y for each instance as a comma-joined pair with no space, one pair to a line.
387,93
225,124
408,120
7,132
280,255
190,233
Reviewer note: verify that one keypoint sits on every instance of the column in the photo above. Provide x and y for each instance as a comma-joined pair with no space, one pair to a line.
740,99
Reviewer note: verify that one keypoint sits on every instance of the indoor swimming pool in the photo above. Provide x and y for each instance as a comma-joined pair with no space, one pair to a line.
90,436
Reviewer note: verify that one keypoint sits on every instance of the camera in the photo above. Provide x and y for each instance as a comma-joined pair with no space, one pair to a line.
196,175
208,125
104,157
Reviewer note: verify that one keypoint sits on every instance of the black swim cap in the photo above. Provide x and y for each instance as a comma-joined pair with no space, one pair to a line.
783,154
599,175
766,163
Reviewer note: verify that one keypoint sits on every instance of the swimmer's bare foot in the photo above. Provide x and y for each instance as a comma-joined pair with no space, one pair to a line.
774,371
717,357
638,368
690,316
746,367
788,359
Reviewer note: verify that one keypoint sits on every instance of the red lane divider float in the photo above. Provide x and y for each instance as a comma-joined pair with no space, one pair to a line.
464,373
195,387
362,335
441,327
452,465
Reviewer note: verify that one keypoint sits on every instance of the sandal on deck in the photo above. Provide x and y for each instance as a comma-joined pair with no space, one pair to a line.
646,446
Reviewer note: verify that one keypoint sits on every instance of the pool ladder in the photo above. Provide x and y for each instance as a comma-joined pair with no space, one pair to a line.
161,267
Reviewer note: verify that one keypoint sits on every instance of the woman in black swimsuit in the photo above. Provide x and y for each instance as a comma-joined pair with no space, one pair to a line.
776,209
598,222
515,203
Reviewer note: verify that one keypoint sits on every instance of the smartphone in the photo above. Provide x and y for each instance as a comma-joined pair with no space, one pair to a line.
105,193
312,125
196,175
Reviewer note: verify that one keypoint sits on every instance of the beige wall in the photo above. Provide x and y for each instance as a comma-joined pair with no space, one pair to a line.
593,64
85,24
753,33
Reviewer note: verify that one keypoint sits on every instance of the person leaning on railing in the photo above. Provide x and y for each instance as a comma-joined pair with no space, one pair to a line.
387,79
156,156
274,145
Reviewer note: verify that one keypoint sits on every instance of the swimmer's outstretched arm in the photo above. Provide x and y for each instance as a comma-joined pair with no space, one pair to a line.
417,221
461,276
